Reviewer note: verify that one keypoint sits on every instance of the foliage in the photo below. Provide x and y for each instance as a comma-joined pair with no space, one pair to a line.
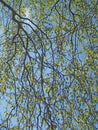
48,64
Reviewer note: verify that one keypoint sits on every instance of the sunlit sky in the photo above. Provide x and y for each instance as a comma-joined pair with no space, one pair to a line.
27,13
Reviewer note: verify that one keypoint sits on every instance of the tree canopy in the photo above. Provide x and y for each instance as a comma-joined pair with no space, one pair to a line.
48,64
